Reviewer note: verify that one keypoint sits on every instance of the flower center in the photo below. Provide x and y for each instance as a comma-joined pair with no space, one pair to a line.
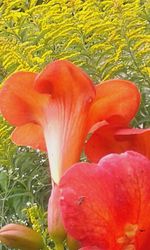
128,239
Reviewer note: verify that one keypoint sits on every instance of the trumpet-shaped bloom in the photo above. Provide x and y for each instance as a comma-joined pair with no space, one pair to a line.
107,205
55,109
110,139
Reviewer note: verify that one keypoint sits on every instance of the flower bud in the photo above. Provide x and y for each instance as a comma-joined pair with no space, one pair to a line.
22,237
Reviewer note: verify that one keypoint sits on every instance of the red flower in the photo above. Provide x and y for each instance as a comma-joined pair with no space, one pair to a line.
59,106
107,205
110,139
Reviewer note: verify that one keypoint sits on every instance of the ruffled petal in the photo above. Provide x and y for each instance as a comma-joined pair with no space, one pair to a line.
108,139
108,205
29,134
117,102
19,102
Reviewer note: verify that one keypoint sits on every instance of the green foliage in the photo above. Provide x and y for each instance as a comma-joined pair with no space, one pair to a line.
26,182
7,148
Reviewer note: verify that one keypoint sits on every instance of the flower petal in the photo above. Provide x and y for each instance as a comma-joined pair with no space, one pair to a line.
19,102
117,102
108,139
61,78
108,205
29,134
138,139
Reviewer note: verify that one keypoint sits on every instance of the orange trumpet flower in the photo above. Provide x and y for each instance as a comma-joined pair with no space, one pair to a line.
55,110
